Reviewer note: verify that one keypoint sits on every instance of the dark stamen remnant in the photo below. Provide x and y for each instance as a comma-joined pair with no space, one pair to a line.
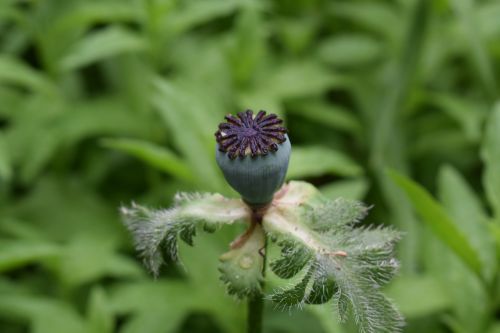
247,134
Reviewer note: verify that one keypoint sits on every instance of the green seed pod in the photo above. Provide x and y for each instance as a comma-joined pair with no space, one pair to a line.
253,153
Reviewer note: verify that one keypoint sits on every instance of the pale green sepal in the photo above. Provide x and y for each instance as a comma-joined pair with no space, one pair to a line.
155,232
241,267
348,264
293,296
294,258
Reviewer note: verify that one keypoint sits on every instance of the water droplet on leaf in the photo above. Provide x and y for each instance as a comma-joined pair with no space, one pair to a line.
246,262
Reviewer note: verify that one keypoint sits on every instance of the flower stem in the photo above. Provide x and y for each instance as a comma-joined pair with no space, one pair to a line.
256,303
255,314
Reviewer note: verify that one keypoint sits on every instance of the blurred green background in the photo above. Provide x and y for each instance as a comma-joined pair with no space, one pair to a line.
107,101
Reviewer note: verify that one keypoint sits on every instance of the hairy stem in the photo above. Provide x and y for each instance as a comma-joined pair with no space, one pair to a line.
256,303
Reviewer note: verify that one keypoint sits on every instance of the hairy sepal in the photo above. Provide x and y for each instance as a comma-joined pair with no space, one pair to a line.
294,258
295,295
346,264
156,232
241,267
331,215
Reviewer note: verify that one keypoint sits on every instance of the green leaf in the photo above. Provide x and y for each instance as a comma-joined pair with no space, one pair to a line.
495,328
44,315
376,16
8,11
45,127
191,122
297,33
98,117
149,304
412,294
196,13
469,214
439,222
469,116
86,14
18,229
70,26
495,231
100,45
316,161
353,189
300,79
248,45
350,50
14,254
450,140
384,115
290,80
13,71
490,153
154,155
331,324
99,312
5,163
334,116
80,212
487,14
466,12
86,259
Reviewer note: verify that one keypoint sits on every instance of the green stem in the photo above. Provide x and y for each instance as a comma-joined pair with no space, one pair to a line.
255,314
256,303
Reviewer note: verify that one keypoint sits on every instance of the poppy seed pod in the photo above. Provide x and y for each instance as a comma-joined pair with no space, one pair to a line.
253,153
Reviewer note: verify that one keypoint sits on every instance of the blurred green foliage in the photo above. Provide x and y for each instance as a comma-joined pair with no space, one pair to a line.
105,101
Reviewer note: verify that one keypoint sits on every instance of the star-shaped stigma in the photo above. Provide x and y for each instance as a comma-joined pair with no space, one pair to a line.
246,134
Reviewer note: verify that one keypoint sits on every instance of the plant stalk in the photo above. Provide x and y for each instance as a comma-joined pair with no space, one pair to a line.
256,303
255,314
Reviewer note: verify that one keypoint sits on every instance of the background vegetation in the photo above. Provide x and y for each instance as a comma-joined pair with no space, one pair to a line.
107,101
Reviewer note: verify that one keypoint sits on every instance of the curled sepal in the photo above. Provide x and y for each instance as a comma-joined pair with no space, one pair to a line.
372,311
241,267
155,232
322,290
293,259
293,296
346,263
